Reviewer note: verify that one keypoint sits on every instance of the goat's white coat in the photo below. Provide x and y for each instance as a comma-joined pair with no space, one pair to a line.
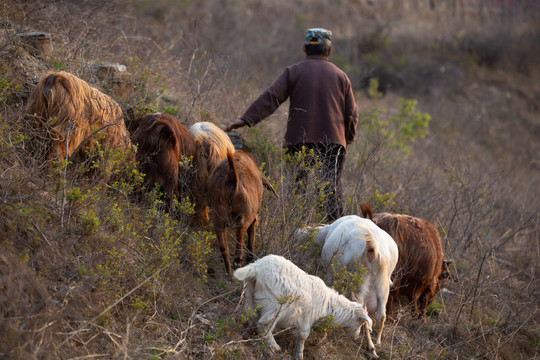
289,297
344,242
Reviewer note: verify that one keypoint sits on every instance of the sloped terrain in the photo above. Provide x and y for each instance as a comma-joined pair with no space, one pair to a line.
87,272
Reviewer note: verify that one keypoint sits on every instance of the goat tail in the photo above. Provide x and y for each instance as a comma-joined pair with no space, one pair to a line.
268,185
48,84
53,79
232,178
367,212
165,132
51,99
371,247
245,273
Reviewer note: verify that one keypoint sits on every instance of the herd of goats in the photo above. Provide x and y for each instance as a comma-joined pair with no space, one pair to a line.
402,254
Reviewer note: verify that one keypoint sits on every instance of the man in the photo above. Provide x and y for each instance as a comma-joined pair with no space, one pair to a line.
322,113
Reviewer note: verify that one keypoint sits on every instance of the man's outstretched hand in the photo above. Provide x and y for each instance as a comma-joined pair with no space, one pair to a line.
238,123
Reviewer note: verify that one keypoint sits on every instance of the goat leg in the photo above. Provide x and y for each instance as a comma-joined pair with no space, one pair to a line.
265,327
251,240
221,236
240,232
299,349
370,345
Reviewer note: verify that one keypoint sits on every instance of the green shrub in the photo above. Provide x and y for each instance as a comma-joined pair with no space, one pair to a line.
385,131
347,280
324,325
199,247
434,309
90,222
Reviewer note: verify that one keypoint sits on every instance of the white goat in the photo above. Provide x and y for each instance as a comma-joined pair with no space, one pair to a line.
288,297
353,239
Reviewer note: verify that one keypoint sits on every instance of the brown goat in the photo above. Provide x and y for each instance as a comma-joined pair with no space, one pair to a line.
162,143
420,257
235,190
64,106
213,145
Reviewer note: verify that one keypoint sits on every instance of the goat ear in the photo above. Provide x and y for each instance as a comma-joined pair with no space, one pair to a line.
206,148
371,254
364,317
353,297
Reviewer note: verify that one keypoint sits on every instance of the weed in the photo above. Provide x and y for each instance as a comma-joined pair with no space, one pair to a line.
434,309
347,280
325,325
385,200
385,131
199,248
250,314
170,109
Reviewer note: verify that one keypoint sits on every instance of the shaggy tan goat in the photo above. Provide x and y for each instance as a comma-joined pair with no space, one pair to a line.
235,190
213,145
65,106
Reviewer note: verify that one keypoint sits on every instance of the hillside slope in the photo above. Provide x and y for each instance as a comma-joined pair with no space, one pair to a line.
86,272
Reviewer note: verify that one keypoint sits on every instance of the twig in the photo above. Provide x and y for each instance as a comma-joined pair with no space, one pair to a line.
509,235
242,295
90,356
62,206
112,306
190,320
394,335
117,122
256,339
509,337
41,233
477,286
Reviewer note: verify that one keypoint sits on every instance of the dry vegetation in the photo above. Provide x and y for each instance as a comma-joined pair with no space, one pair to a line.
86,273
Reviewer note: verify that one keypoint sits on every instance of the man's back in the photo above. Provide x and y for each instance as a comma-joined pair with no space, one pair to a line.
321,98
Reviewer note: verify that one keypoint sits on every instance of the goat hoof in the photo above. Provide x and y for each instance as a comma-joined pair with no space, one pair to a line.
273,348
372,353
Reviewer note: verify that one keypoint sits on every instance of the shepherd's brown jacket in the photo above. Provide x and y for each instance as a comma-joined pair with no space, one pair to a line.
322,106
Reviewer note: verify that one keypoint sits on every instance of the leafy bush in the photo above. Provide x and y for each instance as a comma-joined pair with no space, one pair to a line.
387,132
347,280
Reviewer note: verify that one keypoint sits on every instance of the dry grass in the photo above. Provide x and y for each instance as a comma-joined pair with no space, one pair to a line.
87,273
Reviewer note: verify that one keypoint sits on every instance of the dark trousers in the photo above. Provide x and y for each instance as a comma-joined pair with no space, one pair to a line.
331,158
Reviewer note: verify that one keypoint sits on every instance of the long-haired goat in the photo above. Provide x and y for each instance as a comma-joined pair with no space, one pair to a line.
420,257
213,145
162,143
65,106
235,190
285,296
352,241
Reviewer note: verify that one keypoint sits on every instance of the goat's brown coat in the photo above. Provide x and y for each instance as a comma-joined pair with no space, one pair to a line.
420,257
62,101
235,190
162,143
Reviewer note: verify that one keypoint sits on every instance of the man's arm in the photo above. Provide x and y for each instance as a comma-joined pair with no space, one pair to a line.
265,104
351,115
238,123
